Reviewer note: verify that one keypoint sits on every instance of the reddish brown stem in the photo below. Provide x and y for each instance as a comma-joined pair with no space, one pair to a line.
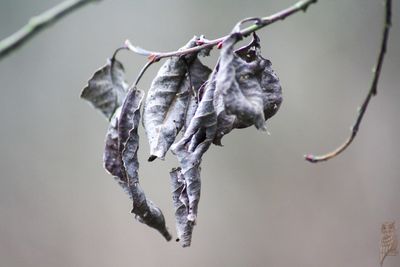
260,23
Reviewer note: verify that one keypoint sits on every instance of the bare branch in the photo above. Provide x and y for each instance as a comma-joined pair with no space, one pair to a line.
38,23
207,44
372,91
260,23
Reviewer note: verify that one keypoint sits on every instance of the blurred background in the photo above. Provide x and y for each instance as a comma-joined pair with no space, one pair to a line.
262,204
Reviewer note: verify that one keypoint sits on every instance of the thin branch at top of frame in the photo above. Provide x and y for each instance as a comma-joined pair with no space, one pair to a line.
206,44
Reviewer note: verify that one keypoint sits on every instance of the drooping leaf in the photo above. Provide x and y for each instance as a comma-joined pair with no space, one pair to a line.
190,111
182,108
243,90
198,75
269,81
184,227
166,102
195,142
225,122
120,160
272,91
248,91
107,88
144,209
240,88
112,159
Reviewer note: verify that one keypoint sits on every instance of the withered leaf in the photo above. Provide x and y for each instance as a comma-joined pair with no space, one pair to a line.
190,111
107,88
240,88
184,227
120,160
225,122
248,91
195,142
272,90
144,209
112,160
166,103
241,91
269,81
198,75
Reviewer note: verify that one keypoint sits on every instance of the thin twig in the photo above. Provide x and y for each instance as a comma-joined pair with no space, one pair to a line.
372,91
38,23
260,23
142,71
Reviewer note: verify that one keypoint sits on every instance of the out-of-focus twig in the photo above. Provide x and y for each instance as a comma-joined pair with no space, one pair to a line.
372,91
38,23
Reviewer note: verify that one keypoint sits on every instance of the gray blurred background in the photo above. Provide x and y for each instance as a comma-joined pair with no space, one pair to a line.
262,204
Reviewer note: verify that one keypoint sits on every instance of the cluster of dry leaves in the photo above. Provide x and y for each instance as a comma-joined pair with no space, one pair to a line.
189,98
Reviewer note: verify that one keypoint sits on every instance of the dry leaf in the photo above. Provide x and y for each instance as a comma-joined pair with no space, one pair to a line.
107,88
194,143
166,103
248,91
120,160
198,75
112,160
180,199
241,91
144,209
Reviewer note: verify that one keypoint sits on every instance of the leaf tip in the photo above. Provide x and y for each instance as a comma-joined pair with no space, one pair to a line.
192,218
167,236
84,92
151,158
185,245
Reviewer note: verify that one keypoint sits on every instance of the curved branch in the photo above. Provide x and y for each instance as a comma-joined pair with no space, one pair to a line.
38,23
142,71
372,91
260,23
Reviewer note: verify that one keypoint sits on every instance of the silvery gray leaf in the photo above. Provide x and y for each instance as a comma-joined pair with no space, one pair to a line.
184,227
190,111
128,138
144,209
269,81
182,109
166,103
198,75
272,91
225,122
112,160
238,82
248,91
107,88
204,121
195,142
